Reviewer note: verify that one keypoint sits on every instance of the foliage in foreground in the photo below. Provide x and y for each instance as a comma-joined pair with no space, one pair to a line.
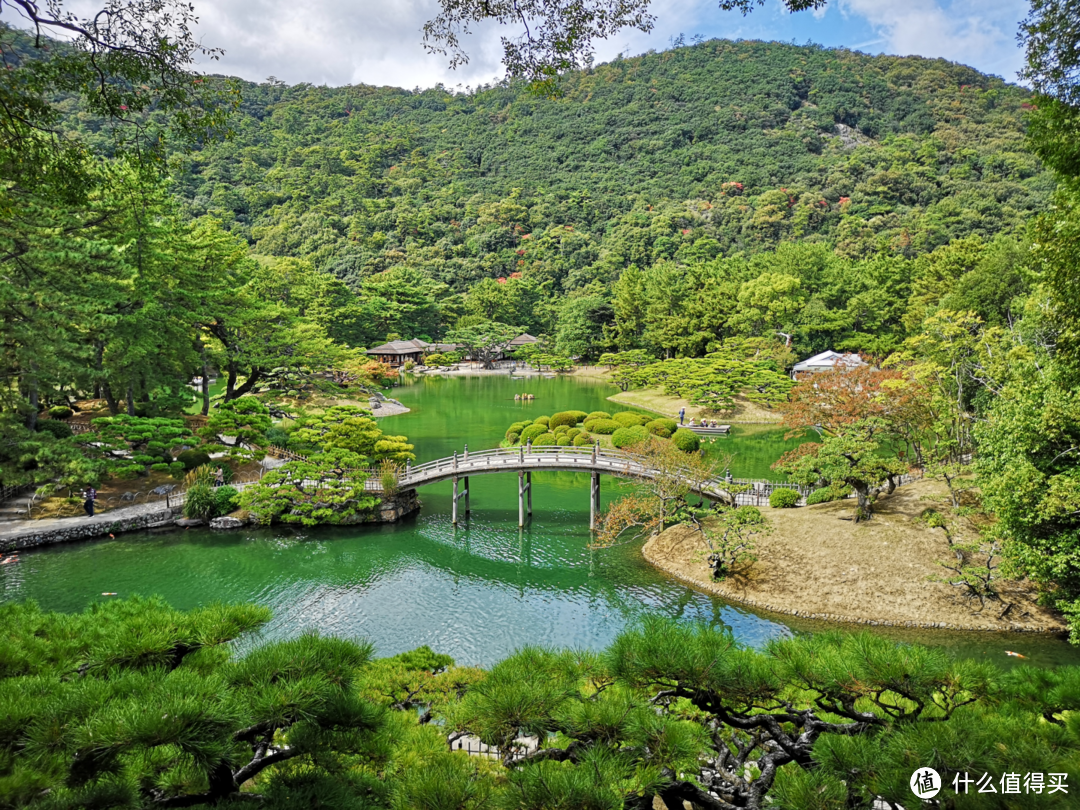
134,705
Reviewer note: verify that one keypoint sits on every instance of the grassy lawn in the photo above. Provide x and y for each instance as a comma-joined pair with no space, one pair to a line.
656,401
217,387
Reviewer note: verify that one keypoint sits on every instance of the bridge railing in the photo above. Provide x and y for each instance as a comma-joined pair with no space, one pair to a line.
613,461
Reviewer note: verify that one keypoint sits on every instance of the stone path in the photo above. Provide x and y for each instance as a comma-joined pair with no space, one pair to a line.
16,534
18,528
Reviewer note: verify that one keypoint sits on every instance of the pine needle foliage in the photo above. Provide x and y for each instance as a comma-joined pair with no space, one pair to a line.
133,704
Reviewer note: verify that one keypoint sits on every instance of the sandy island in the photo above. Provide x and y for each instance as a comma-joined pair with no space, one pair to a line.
818,566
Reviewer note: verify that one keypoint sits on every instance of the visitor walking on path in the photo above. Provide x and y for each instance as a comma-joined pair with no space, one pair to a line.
89,496
682,415
219,477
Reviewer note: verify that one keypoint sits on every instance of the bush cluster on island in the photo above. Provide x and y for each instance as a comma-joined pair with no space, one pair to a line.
581,429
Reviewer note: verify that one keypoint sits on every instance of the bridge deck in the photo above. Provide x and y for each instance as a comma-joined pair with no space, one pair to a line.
572,459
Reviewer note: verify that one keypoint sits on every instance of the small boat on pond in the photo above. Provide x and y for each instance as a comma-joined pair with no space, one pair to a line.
702,430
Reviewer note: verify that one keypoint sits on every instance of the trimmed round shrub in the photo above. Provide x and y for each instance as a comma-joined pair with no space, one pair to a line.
159,467
542,420
531,432
599,415
629,419
827,495
686,440
61,430
662,427
512,438
517,427
573,433
60,412
604,427
561,429
584,440
568,418
226,500
193,458
545,440
783,498
624,437
562,441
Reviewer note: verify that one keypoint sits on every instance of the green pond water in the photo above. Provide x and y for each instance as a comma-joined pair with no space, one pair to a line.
476,592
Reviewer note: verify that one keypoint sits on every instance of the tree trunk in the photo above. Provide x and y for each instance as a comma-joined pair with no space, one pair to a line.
249,383
99,362
230,383
863,510
32,398
205,383
114,406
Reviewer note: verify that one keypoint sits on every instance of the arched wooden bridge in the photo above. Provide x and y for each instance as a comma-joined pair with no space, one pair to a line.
527,460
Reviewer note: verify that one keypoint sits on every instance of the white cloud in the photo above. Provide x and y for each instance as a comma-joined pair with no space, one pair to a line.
975,32
338,42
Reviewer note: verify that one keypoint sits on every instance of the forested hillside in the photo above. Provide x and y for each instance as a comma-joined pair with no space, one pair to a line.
685,155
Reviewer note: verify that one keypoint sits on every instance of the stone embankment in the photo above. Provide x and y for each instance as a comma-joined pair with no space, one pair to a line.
32,533
25,534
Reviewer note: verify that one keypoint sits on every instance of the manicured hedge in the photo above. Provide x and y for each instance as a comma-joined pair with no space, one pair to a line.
563,441
568,418
545,440
827,495
584,440
599,415
532,431
513,438
193,458
604,427
624,437
560,430
542,420
783,498
662,427
686,440
60,430
629,419
60,412
573,433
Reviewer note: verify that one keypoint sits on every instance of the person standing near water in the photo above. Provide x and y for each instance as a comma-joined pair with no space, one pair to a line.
89,496
682,415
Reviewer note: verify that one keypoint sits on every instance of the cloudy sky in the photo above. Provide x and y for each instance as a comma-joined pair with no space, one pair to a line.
378,42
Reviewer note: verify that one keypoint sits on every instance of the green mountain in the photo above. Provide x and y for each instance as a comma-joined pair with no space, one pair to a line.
702,151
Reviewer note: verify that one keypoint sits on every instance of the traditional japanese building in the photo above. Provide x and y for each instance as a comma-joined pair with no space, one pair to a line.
826,361
398,352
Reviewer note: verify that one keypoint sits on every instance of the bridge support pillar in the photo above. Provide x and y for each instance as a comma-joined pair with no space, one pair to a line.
457,497
524,486
594,500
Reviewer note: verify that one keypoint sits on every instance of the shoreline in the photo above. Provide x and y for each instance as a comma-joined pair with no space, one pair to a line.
853,574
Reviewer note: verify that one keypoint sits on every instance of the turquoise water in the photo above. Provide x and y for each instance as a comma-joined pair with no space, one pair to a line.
476,592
